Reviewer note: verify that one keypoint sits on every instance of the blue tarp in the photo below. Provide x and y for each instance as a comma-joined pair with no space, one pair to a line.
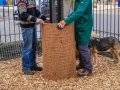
3,2
118,3
0,2
14,2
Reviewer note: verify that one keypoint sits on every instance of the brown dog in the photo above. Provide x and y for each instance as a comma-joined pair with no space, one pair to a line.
106,44
98,45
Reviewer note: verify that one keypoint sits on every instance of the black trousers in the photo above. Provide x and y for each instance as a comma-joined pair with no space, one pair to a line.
84,57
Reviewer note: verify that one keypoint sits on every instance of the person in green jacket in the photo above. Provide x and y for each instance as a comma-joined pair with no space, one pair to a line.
83,22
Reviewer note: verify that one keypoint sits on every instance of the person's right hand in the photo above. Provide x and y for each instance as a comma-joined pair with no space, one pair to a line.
61,24
39,21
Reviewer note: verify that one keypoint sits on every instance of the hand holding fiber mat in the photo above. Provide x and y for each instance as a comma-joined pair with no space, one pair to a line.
58,48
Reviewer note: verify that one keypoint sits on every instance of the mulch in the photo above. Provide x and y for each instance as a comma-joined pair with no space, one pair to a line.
106,76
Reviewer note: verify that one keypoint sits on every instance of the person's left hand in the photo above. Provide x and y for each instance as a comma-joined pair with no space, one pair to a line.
47,20
61,24
39,21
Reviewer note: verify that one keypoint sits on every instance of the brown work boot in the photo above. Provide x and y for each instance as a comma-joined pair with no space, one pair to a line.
84,72
78,67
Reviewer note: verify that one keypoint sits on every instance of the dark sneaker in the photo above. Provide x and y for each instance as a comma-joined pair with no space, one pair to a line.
78,67
28,72
36,68
84,72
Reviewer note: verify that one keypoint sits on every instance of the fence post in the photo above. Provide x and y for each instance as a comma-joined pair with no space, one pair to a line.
60,10
52,11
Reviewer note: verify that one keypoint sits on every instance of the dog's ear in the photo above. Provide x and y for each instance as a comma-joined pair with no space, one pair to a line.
94,35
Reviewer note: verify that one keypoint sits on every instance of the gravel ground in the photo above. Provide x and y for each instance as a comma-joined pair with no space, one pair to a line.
106,76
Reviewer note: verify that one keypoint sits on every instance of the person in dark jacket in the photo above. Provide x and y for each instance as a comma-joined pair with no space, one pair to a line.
29,16
82,17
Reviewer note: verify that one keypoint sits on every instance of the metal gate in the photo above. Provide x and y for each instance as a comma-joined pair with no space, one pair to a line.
10,32
105,15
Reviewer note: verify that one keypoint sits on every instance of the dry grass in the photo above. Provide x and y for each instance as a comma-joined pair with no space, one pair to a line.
105,77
